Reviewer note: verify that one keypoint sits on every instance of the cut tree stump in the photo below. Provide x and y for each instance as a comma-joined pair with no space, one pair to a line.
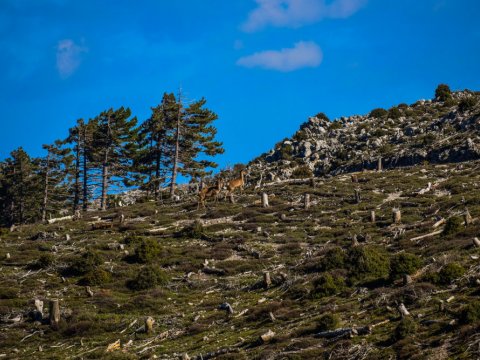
267,337
379,165
54,312
267,281
476,242
467,217
372,216
396,216
403,310
306,201
149,321
358,198
265,200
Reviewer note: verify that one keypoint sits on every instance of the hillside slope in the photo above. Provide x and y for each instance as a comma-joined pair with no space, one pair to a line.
428,130
330,267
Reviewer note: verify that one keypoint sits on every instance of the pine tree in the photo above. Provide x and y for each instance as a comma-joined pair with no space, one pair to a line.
81,139
152,161
114,146
194,143
20,186
54,170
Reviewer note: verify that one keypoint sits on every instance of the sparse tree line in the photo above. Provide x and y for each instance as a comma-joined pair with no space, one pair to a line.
108,154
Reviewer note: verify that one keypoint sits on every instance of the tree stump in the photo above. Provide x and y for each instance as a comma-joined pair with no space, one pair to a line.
267,337
372,216
467,217
265,200
476,242
149,321
306,201
357,196
396,216
403,310
54,312
283,217
267,281
407,279
354,178
379,165
355,241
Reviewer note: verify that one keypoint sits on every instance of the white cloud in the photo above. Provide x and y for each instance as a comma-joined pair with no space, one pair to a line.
69,57
295,13
303,54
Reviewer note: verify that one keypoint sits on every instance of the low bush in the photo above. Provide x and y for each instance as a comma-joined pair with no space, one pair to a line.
96,277
443,92
147,278
328,322
302,172
453,226
449,273
147,251
471,313
405,328
333,259
467,104
368,263
193,231
86,263
403,264
327,285
43,262
378,113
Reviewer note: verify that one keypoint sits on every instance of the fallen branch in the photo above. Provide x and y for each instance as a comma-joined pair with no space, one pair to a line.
427,235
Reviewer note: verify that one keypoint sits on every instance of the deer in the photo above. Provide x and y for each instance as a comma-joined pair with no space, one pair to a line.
210,191
236,183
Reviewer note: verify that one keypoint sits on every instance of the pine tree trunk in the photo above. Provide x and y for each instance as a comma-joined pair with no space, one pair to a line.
104,181
157,169
76,189
177,150
85,171
45,189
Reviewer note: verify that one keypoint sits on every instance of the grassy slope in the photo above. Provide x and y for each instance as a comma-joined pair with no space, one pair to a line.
185,309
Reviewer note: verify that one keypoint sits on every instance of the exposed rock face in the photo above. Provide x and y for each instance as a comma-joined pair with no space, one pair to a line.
428,130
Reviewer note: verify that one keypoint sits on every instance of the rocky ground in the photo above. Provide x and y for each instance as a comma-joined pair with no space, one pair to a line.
247,281
404,135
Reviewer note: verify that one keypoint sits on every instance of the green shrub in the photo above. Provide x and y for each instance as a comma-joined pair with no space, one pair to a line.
335,125
86,263
449,103
147,278
43,262
333,259
328,322
96,277
378,113
194,231
453,226
133,240
467,104
404,263
302,172
147,251
327,285
394,113
322,116
8,293
443,92
368,263
300,135
471,313
405,328
450,272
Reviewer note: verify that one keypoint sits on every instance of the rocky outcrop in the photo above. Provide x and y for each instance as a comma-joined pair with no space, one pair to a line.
428,130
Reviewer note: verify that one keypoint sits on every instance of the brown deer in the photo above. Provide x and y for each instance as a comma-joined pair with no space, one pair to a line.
236,183
210,191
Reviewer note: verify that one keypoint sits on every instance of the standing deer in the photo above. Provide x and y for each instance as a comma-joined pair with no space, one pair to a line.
210,191
236,183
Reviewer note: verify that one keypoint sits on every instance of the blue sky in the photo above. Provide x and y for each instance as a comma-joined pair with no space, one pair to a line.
263,65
